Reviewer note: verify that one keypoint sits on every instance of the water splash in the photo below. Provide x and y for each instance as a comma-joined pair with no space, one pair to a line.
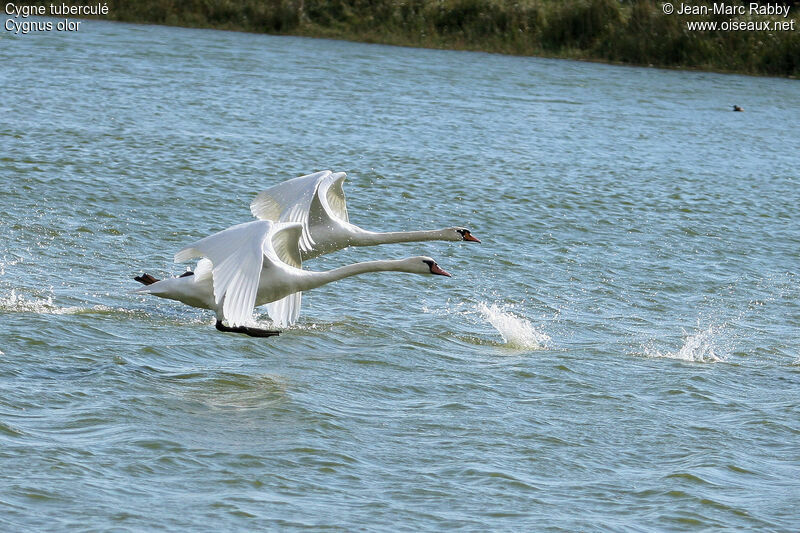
20,304
265,322
701,347
16,303
517,332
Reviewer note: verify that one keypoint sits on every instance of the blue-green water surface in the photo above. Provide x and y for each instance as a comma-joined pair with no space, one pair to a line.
620,353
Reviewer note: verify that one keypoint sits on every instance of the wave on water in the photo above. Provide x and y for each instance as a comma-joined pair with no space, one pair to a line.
701,347
4,262
16,303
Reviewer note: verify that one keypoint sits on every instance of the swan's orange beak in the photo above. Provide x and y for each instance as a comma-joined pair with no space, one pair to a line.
436,269
468,237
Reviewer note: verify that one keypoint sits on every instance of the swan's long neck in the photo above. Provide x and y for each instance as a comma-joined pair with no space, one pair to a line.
312,280
371,238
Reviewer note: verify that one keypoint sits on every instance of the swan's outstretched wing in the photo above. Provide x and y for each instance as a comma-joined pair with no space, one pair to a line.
284,312
285,244
332,195
318,196
275,203
237,255
290,201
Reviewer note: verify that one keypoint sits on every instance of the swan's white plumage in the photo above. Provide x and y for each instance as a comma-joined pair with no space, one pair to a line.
203,270
333,191
317,201
258,263
284,241
285,311
289,201
237,256
317,197
272,203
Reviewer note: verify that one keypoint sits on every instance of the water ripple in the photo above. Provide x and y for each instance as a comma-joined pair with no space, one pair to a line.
619,353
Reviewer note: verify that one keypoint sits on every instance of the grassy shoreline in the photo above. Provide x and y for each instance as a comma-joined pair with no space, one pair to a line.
635,32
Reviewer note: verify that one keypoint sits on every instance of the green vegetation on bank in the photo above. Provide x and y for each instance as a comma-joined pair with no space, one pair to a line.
634,32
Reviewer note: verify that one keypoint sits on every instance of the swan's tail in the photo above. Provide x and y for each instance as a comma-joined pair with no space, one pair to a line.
146,279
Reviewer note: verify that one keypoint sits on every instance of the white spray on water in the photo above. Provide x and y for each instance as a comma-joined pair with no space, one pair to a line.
700,347
517,332
16,303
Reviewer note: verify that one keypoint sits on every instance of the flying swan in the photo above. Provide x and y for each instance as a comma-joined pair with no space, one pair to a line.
317,202
253,264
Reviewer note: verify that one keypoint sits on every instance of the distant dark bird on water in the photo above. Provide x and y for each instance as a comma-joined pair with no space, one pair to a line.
737,108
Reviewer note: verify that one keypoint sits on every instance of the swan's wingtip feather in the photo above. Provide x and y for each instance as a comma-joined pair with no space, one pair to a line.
284,312
190,252
264,207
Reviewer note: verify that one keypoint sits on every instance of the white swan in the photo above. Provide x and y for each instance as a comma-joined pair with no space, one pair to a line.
317,202
253,264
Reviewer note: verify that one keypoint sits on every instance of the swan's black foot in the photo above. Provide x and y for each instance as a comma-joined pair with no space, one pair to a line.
146,279
253,332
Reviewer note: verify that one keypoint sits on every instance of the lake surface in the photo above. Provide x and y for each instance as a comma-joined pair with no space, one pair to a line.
620,353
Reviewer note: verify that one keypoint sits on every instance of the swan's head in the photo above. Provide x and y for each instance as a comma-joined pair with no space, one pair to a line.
462,234
423,265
